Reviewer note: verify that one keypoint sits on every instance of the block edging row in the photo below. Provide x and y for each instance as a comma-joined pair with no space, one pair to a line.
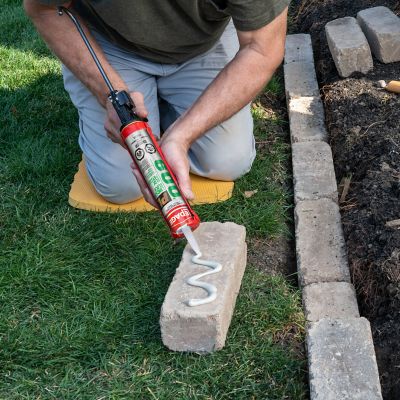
299,59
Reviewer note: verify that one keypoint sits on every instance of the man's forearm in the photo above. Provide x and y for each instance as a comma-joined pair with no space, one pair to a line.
237,84
64,40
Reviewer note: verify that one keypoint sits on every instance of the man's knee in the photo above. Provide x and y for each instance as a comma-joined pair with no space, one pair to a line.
227,152
118,188
229,167
225,163
118,192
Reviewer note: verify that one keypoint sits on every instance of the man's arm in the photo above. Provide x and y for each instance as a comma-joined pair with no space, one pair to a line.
261,52
62,37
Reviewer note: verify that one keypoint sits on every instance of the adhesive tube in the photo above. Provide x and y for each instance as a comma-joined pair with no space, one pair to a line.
393,86
160,180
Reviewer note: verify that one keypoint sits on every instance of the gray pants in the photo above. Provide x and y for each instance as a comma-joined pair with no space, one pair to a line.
225,152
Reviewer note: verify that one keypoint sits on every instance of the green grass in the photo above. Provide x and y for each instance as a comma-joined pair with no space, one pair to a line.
80,293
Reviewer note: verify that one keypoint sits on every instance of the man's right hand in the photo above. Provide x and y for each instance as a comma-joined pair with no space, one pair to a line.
112,123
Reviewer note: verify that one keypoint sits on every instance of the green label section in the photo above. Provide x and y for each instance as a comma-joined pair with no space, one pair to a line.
167,179
154,180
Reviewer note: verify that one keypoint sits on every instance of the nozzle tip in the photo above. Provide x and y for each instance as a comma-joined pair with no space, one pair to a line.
191,239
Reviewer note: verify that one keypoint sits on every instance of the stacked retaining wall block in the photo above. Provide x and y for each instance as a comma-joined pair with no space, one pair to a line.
351,40
341,357
349,46
382,29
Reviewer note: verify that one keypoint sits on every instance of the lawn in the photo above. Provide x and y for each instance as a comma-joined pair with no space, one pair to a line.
80,292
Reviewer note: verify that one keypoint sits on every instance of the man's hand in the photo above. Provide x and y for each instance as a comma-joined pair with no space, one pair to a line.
175,152
143,186
112,123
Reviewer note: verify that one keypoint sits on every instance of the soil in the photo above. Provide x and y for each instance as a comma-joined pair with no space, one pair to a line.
363,121
275,256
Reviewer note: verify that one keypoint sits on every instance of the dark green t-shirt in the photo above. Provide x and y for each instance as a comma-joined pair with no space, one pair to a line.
172,31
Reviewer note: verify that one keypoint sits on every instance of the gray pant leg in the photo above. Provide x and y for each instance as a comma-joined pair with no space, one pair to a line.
108,163
227,151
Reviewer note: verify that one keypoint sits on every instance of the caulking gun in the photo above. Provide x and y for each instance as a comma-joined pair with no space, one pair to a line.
147,155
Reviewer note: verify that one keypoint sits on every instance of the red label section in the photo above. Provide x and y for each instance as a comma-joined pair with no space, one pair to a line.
179,216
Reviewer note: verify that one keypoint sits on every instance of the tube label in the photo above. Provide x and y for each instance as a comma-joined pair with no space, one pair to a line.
158,178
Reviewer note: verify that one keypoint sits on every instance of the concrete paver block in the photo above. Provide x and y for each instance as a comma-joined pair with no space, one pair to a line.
349,46
320,247
298,48
313,172
342,362
203,328
382,29
300,80
330,300
307,119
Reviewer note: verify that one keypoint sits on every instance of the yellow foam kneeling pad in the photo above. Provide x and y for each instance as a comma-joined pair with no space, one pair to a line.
83,195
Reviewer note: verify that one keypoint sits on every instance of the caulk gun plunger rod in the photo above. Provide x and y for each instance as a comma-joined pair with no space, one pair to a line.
62,10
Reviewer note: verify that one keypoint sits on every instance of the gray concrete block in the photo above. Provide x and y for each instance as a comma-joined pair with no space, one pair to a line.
203,329
342,363
313,172
349,46
330,300
320,247
382,29
298,48
307,119
300,80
